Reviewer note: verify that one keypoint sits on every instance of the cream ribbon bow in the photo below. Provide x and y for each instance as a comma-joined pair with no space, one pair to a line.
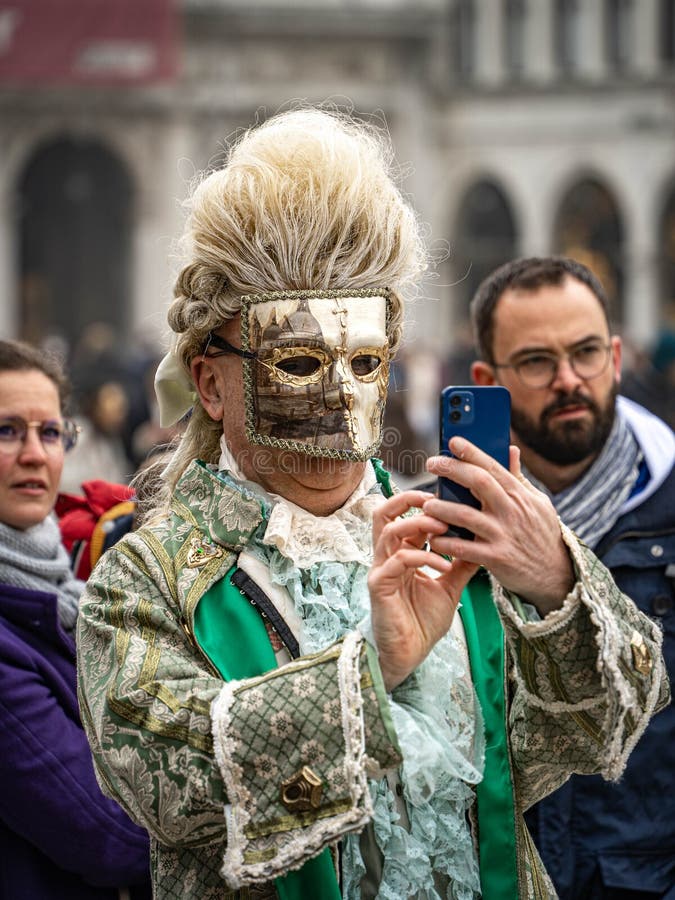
175,392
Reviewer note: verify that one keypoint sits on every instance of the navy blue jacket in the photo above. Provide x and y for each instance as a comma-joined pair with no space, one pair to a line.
592,833
60,838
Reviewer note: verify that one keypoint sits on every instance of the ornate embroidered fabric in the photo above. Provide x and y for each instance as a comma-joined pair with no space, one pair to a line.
625,701
434,711
290,850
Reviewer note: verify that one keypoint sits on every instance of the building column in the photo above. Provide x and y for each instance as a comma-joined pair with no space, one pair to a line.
9,289
158,225
536,213
410,125
646,30
591,56
489,41
642,310
539,65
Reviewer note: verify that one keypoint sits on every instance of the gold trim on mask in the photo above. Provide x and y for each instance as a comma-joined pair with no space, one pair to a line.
382,353
271,358
282,354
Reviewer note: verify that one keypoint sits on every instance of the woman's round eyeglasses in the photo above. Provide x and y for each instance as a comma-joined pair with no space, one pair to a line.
56,435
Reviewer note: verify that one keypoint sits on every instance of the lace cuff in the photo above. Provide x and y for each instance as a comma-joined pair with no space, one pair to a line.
295,747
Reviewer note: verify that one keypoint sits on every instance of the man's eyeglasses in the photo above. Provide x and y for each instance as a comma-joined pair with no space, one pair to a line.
56,435
538,370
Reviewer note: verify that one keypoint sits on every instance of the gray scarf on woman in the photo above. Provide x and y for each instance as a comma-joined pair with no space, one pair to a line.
37,560
591,505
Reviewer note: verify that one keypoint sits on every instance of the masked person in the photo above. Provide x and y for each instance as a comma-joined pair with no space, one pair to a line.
543,331
273,676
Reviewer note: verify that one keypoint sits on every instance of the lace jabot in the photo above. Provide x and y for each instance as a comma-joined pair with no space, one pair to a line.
306,539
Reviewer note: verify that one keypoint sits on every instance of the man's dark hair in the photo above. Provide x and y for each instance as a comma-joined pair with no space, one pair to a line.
16,356
528,274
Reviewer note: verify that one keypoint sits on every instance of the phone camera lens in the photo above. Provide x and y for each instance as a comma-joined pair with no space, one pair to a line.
455,415
455,400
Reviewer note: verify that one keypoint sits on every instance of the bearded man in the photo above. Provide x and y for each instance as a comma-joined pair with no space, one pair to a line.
542,330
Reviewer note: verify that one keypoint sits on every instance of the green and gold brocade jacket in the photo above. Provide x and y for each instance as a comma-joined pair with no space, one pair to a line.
581,686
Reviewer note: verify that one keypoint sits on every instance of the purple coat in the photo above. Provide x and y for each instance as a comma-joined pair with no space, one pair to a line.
59,836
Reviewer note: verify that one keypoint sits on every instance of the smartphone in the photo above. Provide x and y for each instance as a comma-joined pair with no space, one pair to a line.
482,415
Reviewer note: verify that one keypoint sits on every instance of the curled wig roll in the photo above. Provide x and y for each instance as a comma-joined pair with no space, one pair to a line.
305,201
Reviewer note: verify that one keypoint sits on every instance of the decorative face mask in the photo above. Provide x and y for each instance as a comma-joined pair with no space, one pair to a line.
317,382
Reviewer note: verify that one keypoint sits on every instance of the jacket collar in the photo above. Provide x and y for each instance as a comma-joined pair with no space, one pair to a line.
657,442
227,511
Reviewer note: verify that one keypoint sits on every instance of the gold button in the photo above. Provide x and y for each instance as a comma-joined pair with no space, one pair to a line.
302,791
642,660
202,550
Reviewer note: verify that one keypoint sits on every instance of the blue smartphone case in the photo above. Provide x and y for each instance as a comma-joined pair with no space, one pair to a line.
482,415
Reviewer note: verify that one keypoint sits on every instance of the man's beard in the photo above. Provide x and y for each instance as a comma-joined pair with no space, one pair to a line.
567,442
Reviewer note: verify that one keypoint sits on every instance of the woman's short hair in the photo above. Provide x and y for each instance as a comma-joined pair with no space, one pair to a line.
17,356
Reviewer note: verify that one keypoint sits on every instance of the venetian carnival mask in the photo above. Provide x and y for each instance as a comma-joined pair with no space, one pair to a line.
316,371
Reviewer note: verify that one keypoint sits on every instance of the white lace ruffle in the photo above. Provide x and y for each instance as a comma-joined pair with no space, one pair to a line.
443,755
344,536
306,539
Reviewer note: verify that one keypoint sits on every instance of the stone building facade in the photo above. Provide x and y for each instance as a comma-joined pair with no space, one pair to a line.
523,127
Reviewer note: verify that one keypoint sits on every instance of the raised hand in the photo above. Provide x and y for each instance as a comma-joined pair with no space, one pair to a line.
411,608
517,533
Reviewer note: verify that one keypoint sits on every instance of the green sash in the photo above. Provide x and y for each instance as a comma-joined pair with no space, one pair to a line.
232,634
496,813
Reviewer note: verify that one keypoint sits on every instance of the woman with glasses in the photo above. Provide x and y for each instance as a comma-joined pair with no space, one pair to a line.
59,837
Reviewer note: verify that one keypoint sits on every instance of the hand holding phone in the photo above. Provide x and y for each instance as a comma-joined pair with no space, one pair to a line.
482,415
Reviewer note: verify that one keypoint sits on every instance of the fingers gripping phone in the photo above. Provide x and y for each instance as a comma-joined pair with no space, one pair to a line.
482,415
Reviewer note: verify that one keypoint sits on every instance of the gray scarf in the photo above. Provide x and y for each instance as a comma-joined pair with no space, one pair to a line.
591,506
37,560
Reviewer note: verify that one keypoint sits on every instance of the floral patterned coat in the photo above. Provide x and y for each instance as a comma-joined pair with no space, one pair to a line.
582,685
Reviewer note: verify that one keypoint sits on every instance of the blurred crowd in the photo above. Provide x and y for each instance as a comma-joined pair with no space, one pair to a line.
114,405
649,379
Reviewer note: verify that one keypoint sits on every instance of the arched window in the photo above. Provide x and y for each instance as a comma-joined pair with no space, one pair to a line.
75,256
462,39
667,259
588,228
484,238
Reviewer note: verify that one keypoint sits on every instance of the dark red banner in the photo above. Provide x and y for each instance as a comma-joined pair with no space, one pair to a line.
87,42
